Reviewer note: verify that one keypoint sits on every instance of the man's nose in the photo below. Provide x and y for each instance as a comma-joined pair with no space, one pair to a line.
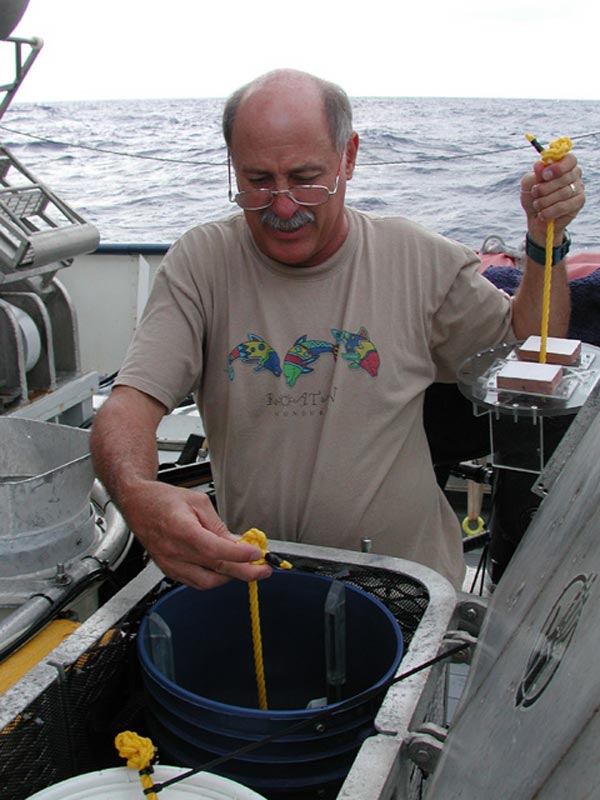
283,204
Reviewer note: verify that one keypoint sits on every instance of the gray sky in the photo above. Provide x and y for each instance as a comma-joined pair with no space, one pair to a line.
200,48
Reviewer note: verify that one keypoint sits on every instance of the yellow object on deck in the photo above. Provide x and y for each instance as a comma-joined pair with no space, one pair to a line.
139,752
33,651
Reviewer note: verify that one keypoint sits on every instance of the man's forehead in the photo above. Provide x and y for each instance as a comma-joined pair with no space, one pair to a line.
275,109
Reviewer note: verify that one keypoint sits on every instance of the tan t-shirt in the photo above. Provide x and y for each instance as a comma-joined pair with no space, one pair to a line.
310,381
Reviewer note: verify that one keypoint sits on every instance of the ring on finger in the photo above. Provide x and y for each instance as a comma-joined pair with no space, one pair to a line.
572,188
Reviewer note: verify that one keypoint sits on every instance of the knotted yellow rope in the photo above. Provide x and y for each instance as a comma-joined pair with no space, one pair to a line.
258,538
554,152
139,752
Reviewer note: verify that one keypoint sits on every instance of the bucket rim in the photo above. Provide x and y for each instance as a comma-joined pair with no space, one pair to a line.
123,777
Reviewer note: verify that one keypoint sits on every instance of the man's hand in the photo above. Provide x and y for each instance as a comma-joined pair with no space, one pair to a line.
186,538
179,528
552,192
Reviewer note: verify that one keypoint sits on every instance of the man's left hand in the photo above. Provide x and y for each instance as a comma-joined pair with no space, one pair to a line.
552,192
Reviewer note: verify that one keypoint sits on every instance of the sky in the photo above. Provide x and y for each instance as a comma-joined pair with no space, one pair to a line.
125,49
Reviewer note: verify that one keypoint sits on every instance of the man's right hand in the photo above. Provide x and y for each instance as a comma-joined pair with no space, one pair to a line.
187,539
179,527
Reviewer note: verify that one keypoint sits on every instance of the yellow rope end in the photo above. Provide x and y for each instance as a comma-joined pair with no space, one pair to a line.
139,752
258,538
556,150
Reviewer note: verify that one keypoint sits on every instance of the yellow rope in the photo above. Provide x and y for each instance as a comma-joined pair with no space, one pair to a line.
547,290
554,152
258,538
139,752
257,646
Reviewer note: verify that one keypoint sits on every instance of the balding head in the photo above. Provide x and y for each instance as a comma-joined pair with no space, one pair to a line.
296,86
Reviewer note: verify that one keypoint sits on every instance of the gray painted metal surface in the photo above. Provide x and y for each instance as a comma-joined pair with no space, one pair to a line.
528,722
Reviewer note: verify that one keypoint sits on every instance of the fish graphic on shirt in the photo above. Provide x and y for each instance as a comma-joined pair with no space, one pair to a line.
359,350
302,354
255,350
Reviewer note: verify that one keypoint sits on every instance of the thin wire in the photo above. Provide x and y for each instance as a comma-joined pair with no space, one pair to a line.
158,787
461,156
400,162
112,152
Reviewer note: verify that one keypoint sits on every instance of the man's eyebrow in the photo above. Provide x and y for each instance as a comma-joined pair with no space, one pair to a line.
308,167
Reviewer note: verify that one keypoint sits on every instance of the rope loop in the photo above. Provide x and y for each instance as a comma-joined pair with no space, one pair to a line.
466,526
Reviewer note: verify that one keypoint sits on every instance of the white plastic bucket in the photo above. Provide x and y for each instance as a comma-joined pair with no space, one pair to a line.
122,783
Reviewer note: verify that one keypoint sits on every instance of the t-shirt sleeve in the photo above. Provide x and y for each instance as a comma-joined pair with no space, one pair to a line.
473,316
165,356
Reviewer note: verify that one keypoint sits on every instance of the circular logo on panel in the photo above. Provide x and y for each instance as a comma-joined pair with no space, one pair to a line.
554,640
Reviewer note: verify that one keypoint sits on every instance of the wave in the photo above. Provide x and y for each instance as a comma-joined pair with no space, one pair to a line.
452,164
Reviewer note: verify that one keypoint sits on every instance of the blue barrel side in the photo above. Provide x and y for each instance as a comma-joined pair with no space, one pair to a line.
211,707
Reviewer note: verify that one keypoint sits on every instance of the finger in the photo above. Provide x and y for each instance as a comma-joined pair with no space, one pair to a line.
194,575
217,549
548,172
187,541
568,192
560,184
209,575
565,201
244,572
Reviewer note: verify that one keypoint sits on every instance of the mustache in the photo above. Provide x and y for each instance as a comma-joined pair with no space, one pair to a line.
301,217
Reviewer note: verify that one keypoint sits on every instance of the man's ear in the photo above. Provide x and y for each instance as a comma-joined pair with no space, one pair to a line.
351,153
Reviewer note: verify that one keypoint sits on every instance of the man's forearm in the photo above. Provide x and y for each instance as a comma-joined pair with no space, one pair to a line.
529,300
123,442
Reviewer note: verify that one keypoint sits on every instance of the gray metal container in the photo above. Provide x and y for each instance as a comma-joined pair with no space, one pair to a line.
46,477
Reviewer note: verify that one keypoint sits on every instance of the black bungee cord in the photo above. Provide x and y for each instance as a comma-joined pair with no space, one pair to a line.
312,720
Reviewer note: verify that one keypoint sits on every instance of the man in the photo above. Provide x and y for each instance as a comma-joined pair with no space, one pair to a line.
309,333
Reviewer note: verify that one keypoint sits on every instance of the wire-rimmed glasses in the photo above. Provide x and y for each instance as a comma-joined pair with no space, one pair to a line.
303,194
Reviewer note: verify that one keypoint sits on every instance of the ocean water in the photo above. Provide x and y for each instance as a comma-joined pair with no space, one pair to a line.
146,171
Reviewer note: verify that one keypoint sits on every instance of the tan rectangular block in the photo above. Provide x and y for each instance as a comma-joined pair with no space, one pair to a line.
520,376
558,351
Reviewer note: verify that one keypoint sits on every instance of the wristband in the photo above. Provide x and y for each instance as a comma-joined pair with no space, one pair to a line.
538,254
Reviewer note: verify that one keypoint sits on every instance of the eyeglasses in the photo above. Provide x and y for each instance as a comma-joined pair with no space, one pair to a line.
303,195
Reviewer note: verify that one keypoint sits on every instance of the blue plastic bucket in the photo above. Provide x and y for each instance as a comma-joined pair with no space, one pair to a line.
208,706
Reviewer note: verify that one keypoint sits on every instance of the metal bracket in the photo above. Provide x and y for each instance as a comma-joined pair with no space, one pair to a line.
470,612
424,746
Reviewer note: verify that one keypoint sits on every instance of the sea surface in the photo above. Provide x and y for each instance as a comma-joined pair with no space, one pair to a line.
146,171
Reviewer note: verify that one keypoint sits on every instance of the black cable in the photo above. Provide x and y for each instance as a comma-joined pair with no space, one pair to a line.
312,720
55,606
